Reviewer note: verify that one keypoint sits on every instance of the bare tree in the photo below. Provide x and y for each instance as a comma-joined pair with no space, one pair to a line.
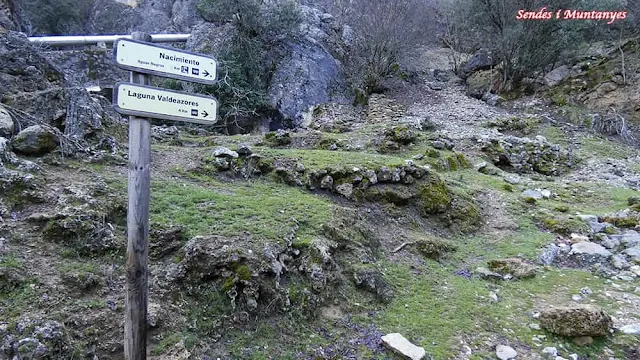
384,32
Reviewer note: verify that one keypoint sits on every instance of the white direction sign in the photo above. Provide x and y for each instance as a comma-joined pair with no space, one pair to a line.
164,61
153,102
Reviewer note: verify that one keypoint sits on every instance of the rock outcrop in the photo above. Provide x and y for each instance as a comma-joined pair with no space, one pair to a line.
580,320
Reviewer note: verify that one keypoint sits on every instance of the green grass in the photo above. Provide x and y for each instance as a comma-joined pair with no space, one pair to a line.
319,159
262,209
599,146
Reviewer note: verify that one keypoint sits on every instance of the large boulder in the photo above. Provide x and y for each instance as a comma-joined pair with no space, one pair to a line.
9,15
6,123
556,76
35,140
303,79
481,60
483,82
577,320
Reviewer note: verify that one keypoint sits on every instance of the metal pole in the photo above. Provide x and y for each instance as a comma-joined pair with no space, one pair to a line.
135,321
107,39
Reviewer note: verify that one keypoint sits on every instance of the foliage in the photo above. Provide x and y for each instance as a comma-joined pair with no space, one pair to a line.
56,17
248,58
385,32
525,48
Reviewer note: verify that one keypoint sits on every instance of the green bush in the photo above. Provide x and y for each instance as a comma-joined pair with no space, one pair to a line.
56,17
525,48
248,59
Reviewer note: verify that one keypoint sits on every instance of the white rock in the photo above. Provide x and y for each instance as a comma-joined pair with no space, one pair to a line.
576,298
589,248
534,326
402,346
574,357
576,238
550,352
546,193
633,329
504,352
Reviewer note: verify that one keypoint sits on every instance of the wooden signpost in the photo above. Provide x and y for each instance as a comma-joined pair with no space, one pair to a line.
142,102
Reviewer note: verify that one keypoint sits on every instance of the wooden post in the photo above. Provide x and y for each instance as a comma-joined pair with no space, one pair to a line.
135,321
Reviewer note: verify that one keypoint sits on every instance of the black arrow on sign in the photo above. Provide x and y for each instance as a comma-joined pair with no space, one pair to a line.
204,113
206,74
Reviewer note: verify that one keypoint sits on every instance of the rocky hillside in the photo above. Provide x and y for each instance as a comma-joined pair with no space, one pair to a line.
425,224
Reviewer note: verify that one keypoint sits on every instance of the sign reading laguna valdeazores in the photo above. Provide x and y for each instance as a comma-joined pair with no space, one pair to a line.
152,102
164,61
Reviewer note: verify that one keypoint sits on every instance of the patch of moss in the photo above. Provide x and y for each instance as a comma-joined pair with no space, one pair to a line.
562,224
434,197
390,194
507,187
453,162
623,222
434,248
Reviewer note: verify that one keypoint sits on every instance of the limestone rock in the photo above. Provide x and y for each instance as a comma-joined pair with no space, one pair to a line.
504,352
633,329
481,60
576,320
245,150
225,153
35,140
590,249
557,75
372,281
404,347
345,190
482,82
535,194
6,123
514,267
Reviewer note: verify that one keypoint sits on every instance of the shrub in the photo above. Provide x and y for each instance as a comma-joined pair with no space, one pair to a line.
526,48
247,59
56,17
384,32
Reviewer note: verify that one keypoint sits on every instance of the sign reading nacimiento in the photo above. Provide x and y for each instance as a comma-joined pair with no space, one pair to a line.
153,102
164,61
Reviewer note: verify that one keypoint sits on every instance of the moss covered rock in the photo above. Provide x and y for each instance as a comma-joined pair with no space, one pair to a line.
35,140
514,267
433,248
433,196
577,320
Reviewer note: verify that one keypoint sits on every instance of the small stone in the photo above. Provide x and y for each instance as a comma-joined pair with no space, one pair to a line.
583,340
333,147
534,326
488,274
633,329
586,291
326,182
550,352
548,254
574,357
494,297
222,164
619,262
576,238
635,269
437,144
404,347
371,175
300,167
534,194
418,157
546,194
345,190
224,152
513,180
504,352
244,150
